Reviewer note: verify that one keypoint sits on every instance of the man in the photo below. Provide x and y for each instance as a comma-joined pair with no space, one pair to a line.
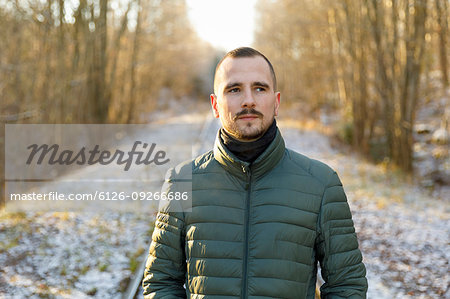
262,215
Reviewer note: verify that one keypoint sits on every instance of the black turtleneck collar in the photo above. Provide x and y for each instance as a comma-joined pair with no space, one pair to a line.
248,151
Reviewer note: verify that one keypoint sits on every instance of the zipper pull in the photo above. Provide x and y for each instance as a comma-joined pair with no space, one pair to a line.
246,170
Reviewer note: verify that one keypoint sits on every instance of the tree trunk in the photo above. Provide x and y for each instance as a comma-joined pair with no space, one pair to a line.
134,55
442,16
408,103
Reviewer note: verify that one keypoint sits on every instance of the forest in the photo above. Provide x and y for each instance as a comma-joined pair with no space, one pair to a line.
370,75
376,62
371,63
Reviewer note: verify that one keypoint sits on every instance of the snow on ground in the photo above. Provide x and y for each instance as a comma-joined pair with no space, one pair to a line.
403,231
69,255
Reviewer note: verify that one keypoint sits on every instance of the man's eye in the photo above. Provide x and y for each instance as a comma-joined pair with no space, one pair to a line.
260,89
234,90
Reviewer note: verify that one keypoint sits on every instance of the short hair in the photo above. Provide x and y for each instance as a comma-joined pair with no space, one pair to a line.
246,52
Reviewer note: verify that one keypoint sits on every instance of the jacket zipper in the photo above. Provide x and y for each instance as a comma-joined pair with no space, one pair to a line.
248,186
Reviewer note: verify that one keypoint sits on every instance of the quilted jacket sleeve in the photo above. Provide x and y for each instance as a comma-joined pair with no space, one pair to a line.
165,271
338,253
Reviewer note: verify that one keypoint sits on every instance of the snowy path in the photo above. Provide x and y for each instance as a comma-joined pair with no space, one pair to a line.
403,233
94,251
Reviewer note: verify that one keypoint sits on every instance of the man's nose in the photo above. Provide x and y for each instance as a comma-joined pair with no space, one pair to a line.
248,100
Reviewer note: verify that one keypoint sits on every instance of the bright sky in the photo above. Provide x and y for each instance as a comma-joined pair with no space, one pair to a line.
226,24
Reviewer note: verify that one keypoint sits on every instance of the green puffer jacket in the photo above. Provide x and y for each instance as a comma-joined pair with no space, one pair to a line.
255,231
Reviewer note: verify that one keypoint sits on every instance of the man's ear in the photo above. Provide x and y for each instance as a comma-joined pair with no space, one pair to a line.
214,105
277,102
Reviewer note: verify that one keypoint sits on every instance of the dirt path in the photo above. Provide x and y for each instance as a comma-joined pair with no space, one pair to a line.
403,233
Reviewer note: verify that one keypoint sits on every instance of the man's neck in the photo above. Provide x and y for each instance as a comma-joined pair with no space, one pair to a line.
249,151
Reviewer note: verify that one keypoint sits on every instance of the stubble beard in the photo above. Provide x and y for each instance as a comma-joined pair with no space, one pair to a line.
247,131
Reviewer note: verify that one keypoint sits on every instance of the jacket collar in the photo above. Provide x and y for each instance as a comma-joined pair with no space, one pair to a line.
264,163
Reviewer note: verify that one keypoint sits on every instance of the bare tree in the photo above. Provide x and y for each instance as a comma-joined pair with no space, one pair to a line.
134,58
442,20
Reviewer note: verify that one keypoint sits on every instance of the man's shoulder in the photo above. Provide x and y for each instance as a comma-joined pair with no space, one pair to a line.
185,169
315,168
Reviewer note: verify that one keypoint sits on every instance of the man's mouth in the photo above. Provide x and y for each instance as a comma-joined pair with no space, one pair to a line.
248,117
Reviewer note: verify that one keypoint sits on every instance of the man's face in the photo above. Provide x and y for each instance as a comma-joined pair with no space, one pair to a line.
245,100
